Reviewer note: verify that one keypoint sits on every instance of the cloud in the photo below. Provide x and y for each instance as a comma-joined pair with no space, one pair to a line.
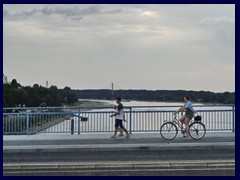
148,14
5,13
77,18
114,11
213,21
75,13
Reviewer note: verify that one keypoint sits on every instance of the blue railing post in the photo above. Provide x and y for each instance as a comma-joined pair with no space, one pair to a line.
72,126
130,121
233,118
27,123
79,121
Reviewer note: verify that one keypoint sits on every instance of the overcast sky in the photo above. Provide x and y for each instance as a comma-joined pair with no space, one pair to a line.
188,47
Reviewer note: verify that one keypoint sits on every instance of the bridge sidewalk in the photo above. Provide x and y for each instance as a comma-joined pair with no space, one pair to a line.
102,142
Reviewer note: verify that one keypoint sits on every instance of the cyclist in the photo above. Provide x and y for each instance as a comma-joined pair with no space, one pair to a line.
189,113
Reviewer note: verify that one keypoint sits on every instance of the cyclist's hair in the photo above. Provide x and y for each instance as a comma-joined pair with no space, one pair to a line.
187,97
118,98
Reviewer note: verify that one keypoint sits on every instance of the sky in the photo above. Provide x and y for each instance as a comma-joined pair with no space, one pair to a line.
149,46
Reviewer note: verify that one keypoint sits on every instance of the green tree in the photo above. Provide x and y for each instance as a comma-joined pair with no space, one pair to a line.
15,84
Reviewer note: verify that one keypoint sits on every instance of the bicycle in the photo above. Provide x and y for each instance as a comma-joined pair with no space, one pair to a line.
169,129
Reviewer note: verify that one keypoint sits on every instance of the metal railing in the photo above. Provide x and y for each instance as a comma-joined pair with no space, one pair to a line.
97,119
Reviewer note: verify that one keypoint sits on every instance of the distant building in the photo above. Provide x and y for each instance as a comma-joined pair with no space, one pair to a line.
5,79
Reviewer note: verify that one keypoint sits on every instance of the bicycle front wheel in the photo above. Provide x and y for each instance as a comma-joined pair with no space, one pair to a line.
168,130
197,130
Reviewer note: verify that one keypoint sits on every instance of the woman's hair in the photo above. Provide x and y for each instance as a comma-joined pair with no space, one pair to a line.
187,98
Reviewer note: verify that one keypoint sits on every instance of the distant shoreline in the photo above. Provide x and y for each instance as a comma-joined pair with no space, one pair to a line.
91,102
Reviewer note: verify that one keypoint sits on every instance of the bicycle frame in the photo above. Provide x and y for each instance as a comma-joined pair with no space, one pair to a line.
177,122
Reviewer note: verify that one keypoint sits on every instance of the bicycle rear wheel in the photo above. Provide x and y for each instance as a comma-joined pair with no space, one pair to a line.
197,130
168,130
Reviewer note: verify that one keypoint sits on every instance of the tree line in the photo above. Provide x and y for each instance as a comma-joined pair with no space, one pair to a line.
14,94
159,95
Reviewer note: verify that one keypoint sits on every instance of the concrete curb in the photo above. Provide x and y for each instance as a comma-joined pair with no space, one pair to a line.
118,147
117,165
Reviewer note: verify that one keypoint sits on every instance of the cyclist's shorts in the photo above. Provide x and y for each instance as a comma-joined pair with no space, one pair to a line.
189,115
